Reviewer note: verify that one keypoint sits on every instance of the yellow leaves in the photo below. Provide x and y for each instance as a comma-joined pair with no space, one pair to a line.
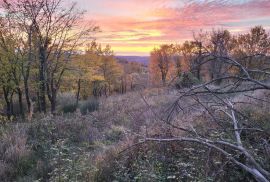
96,65
98,78
5,119
162,63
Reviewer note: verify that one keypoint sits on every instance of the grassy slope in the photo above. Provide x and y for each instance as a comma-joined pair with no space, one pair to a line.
74,147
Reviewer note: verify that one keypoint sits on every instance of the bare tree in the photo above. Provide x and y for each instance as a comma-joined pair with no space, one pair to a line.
53,35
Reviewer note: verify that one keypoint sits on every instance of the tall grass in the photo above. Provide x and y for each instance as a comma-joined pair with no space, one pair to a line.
14,153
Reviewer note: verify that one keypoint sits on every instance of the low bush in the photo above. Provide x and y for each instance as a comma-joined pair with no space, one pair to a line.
186,80
154,162
70,108
90,105
115,134
67,103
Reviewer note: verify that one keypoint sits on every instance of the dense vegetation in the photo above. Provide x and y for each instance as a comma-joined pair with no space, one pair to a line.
198,112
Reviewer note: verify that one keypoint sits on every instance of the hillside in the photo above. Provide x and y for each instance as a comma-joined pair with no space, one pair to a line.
134,91
139,59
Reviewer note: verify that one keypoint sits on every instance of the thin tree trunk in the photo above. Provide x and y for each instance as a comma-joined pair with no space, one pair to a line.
53,103
199,62
11,104
163,79
51,93
42,80
26,74
199,72
27,97
20,102
38,102
78,92
8,104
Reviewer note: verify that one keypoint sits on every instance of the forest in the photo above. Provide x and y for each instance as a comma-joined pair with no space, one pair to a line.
72,110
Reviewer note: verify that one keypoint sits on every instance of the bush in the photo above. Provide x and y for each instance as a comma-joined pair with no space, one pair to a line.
115,134
90,105
186,80
67,103
70,108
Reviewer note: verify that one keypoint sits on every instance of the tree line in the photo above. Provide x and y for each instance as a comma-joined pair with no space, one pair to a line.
205,57
38,39
41,54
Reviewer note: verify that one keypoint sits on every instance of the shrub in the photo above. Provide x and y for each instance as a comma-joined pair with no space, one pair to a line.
67,102
70,108
90,105
5,119
186,80
153,162
115,134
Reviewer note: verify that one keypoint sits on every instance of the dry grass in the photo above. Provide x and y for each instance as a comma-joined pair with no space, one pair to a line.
13,149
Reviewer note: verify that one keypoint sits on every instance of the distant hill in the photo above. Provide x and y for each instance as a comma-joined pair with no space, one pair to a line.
139,59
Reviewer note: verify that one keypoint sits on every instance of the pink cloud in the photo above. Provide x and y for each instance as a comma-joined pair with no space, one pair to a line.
165,21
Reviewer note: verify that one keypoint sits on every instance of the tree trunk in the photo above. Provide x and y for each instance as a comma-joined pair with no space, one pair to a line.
20,102
52,96
110,90
38,102
198,73
8,104
163,79
78,92
42,80
11,104
53,102
27,73
27,97
199,62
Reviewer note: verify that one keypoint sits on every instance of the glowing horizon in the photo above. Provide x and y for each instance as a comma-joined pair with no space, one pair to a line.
135,27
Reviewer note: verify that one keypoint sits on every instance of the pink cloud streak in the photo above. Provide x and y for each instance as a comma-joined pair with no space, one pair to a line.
162,21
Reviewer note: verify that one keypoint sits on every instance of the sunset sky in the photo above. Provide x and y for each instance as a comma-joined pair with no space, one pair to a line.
134,27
